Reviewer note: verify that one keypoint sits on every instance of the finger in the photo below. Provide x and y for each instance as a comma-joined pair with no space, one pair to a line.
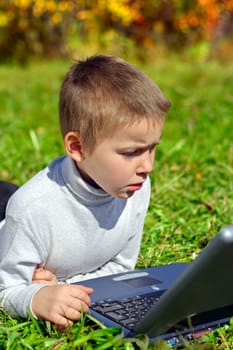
72,314
81,295
44,276
40,274
64,319
35,273
88,290
35,281
63,328
78,305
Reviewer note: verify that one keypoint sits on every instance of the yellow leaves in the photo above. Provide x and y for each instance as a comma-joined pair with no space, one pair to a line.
204,13
144,18
32,26
119,9
56,9
22,3
56,18
4,174
50,6
38,9
64,6
198,176
23,10
3,19
82,15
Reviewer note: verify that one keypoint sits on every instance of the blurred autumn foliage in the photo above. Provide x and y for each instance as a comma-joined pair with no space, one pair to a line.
43,27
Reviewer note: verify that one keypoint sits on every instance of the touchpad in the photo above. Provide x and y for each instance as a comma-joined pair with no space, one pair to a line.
141,281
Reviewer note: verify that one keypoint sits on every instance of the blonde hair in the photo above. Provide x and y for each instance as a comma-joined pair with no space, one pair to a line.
103,93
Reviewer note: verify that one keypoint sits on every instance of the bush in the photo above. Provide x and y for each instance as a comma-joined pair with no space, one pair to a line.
30,27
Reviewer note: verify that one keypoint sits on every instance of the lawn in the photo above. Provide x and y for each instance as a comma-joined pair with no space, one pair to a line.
192,181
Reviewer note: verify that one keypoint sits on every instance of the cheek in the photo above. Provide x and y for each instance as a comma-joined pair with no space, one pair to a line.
117,174
110,164
112,170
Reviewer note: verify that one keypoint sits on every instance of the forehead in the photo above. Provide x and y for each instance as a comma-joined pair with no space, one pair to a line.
145,131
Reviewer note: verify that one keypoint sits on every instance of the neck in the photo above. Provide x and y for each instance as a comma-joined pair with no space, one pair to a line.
87,178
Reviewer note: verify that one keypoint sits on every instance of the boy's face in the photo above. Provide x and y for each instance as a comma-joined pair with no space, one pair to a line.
120,164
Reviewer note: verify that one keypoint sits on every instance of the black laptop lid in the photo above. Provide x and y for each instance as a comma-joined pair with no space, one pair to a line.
206,284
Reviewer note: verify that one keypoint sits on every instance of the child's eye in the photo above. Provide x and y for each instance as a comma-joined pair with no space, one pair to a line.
138,152
132,153
152,148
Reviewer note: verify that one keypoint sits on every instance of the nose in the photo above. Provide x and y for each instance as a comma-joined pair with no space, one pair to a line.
146,164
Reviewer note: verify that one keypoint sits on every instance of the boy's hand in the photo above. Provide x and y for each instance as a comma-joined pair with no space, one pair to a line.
61,304
43,276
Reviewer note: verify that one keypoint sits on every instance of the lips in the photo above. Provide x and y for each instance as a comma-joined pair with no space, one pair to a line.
135,187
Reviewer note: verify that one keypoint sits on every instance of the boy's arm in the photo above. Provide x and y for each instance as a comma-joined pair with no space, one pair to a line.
60,304
16,270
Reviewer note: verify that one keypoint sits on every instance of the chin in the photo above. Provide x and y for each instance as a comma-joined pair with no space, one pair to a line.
125,195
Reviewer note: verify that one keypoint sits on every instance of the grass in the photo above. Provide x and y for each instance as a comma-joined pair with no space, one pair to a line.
192,197
192,182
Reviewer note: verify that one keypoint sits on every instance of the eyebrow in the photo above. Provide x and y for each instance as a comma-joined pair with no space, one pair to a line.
154,144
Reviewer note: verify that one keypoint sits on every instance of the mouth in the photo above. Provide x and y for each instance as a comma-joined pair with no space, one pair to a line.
135,187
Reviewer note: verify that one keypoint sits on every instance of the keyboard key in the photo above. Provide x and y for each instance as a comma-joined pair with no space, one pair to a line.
128,311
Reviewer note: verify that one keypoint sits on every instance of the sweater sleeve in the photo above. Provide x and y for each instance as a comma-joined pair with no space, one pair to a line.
19,256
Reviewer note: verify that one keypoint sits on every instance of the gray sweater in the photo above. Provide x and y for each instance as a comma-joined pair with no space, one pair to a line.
59,222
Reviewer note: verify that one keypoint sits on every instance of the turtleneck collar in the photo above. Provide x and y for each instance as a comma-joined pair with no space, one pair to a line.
88,194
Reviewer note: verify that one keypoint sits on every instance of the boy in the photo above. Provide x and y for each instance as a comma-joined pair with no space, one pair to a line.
83,215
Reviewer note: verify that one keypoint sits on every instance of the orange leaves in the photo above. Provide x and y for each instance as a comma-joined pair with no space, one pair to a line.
187,20
204,16
204,13
198,176
172,22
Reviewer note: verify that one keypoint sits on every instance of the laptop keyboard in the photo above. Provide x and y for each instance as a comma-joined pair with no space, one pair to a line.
128,311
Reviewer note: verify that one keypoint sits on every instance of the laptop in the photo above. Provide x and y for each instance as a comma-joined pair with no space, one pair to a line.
171,302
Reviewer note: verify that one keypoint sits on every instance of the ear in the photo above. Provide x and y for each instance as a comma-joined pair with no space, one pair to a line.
73,146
